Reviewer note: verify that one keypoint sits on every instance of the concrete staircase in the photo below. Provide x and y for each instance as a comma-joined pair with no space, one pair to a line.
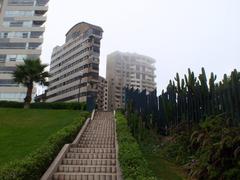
93,156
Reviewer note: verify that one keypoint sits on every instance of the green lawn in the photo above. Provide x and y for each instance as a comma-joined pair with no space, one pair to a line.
24,130
162,169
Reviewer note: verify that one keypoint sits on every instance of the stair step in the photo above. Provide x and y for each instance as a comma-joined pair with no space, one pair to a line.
94,155
84,176
96,142
104,162
92,150
90,155
95,146
87,169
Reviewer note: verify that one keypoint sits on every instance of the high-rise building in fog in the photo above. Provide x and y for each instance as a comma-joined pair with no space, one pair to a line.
21,37
128,70
102,95
75,65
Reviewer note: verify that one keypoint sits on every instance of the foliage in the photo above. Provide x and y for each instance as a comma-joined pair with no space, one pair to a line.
177,150
132,162
34,165
53,105
210,152
217,150
32,71
11,104
22,131
59,105
152,147
188,101
203,115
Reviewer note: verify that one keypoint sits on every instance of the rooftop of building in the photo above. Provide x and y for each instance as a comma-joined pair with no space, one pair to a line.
80,28
130,54
75,31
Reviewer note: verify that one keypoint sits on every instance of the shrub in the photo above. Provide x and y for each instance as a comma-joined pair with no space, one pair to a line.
217,150
11,104
41,105
34,165
132,162
212,151
59,105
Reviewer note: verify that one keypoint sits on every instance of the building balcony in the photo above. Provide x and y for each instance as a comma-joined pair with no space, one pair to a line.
21,51
25,40
23,29
27,8
37,18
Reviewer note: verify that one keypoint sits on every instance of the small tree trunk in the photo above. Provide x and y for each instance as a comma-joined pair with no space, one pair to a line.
28,97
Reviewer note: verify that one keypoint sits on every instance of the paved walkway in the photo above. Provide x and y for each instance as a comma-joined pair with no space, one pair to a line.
94,156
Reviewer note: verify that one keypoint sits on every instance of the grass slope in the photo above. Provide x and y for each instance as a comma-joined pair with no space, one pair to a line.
162,168
24,130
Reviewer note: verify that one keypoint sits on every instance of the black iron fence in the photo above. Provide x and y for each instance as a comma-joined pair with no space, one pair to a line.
187,102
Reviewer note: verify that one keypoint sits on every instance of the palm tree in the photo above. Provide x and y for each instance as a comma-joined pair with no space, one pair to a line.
32,71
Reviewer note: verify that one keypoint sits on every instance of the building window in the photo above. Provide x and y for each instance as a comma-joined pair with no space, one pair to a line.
14,34
137,76
36,34
12,45
96,41
3,57
97,32
42,2
34,45
17,23
25,35
96,49
137,68
21,2
18,13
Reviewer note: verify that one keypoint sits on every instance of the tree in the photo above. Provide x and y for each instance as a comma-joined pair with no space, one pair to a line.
32,71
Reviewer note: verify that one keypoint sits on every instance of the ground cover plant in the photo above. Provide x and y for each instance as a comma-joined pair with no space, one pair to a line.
132,162
22,131
45,105
199,116
152,147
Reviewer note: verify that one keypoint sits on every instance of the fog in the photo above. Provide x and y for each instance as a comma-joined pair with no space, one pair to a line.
179,34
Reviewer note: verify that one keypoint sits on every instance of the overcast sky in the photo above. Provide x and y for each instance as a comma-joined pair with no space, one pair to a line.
177,33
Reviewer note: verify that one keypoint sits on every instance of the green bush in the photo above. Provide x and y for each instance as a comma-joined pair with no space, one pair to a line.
34,165
11,104
212,151
59,105
132,162
217,149
43,105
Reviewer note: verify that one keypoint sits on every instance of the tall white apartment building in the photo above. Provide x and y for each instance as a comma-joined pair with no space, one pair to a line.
102,95
74,66
21,37
128,70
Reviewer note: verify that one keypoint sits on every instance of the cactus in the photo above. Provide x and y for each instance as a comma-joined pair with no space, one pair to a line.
204,93
235,94
212,94
186,100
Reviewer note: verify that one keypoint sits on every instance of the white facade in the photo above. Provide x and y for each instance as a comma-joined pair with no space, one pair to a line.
102,96
128,70
21,37
74,66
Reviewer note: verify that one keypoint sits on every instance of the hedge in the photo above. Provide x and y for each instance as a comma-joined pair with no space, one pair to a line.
34,165
43,105
133,164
